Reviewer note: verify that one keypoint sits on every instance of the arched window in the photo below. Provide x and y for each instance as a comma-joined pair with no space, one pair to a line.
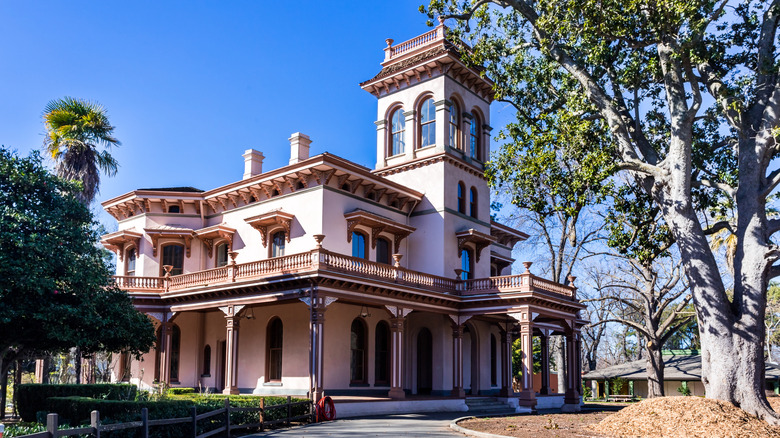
131,259
454,126
397,132
427,123
175,347
382,354
206,361
222,255
473,202
359,245
277,244
358,347
466,264
274,349
383,251
493,361
461,198
173,255
474,138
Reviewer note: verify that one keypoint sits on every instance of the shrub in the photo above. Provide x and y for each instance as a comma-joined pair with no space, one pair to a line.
684,389
32,396
177,391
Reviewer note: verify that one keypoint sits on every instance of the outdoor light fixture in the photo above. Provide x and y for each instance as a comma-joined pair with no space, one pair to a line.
364,312
250,314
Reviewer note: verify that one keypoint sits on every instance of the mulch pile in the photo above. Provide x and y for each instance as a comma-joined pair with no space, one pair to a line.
684,417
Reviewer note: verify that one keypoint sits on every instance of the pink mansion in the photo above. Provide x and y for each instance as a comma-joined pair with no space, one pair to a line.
324,277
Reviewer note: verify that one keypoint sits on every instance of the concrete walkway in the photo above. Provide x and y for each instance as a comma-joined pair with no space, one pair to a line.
406,425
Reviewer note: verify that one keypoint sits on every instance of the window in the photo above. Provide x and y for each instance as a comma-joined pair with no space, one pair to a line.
493,361
473,202
274,347
461,198
222,254
427,123
382,354
175,346
130,265
277,244
383,251
173,255
174,209
359,245
454,123
466,264
474,138
397,132
357,363
206,361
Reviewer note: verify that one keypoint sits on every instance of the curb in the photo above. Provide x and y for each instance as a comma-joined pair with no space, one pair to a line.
454,426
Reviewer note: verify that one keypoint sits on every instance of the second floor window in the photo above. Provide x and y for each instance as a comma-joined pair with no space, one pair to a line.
359,246
427,123
131,259
467,264
222,254
397,132
173,255
277,244
383,251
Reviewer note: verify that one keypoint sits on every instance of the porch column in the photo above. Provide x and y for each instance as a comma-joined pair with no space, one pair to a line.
166,336
231,345
527,395
317,306
571,399
506,364
457,361
545,344
396,357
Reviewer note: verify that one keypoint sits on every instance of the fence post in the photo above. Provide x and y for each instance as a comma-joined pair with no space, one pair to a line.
227,417
262,413
144,423
52,422
289,410
95,422
194,411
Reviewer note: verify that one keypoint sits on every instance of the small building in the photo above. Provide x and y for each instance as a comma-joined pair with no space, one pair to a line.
682,369
391,283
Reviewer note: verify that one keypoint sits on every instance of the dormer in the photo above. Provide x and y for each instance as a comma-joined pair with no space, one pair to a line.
429,103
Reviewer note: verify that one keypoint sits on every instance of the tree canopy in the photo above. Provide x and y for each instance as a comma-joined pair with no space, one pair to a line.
685,96
56,289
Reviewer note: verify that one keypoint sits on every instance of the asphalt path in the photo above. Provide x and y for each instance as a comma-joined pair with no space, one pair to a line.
406,425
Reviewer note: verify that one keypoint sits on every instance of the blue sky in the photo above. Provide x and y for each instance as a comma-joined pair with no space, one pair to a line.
191,85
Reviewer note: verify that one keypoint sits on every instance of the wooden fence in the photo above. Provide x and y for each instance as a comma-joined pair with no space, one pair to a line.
96,428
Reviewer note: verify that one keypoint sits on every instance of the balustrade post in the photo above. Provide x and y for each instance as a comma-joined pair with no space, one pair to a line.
233,265
571,279
399,274
167,277
316,253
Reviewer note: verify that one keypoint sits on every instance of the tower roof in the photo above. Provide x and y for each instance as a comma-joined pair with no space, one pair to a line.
428,54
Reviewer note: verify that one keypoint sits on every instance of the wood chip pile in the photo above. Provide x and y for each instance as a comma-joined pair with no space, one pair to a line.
684,417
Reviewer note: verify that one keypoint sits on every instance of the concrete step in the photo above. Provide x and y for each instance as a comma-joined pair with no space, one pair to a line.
489,405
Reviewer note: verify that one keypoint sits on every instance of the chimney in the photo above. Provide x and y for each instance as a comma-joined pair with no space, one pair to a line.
299,147
253,163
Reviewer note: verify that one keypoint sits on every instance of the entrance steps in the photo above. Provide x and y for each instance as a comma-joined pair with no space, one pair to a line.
488,405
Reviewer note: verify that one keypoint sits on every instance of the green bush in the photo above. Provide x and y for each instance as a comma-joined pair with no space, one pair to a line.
32,396
177,391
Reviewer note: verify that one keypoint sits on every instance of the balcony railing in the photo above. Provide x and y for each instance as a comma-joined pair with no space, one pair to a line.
323,260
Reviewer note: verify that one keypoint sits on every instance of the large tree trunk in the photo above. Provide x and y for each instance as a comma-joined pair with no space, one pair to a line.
77,364
4,368
655,370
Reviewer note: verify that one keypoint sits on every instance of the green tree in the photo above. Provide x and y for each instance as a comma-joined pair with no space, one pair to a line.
56,289
77,131
690,94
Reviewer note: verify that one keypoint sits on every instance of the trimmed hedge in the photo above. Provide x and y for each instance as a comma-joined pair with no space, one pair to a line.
177,391
32,396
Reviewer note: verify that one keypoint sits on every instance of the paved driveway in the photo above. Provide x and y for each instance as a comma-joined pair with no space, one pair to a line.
407,425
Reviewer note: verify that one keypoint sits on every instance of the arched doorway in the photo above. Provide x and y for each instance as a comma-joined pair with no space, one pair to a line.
424,362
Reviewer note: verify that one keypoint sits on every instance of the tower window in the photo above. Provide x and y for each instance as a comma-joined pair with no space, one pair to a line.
474,138
461,198
427,123
397,132
473,202
454,123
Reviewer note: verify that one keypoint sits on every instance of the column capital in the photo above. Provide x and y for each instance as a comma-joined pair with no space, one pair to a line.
232,310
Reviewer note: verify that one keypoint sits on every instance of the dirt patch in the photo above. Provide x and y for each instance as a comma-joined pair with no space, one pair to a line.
543,425
685,417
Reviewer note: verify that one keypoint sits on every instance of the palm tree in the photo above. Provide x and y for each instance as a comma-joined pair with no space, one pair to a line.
78,134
